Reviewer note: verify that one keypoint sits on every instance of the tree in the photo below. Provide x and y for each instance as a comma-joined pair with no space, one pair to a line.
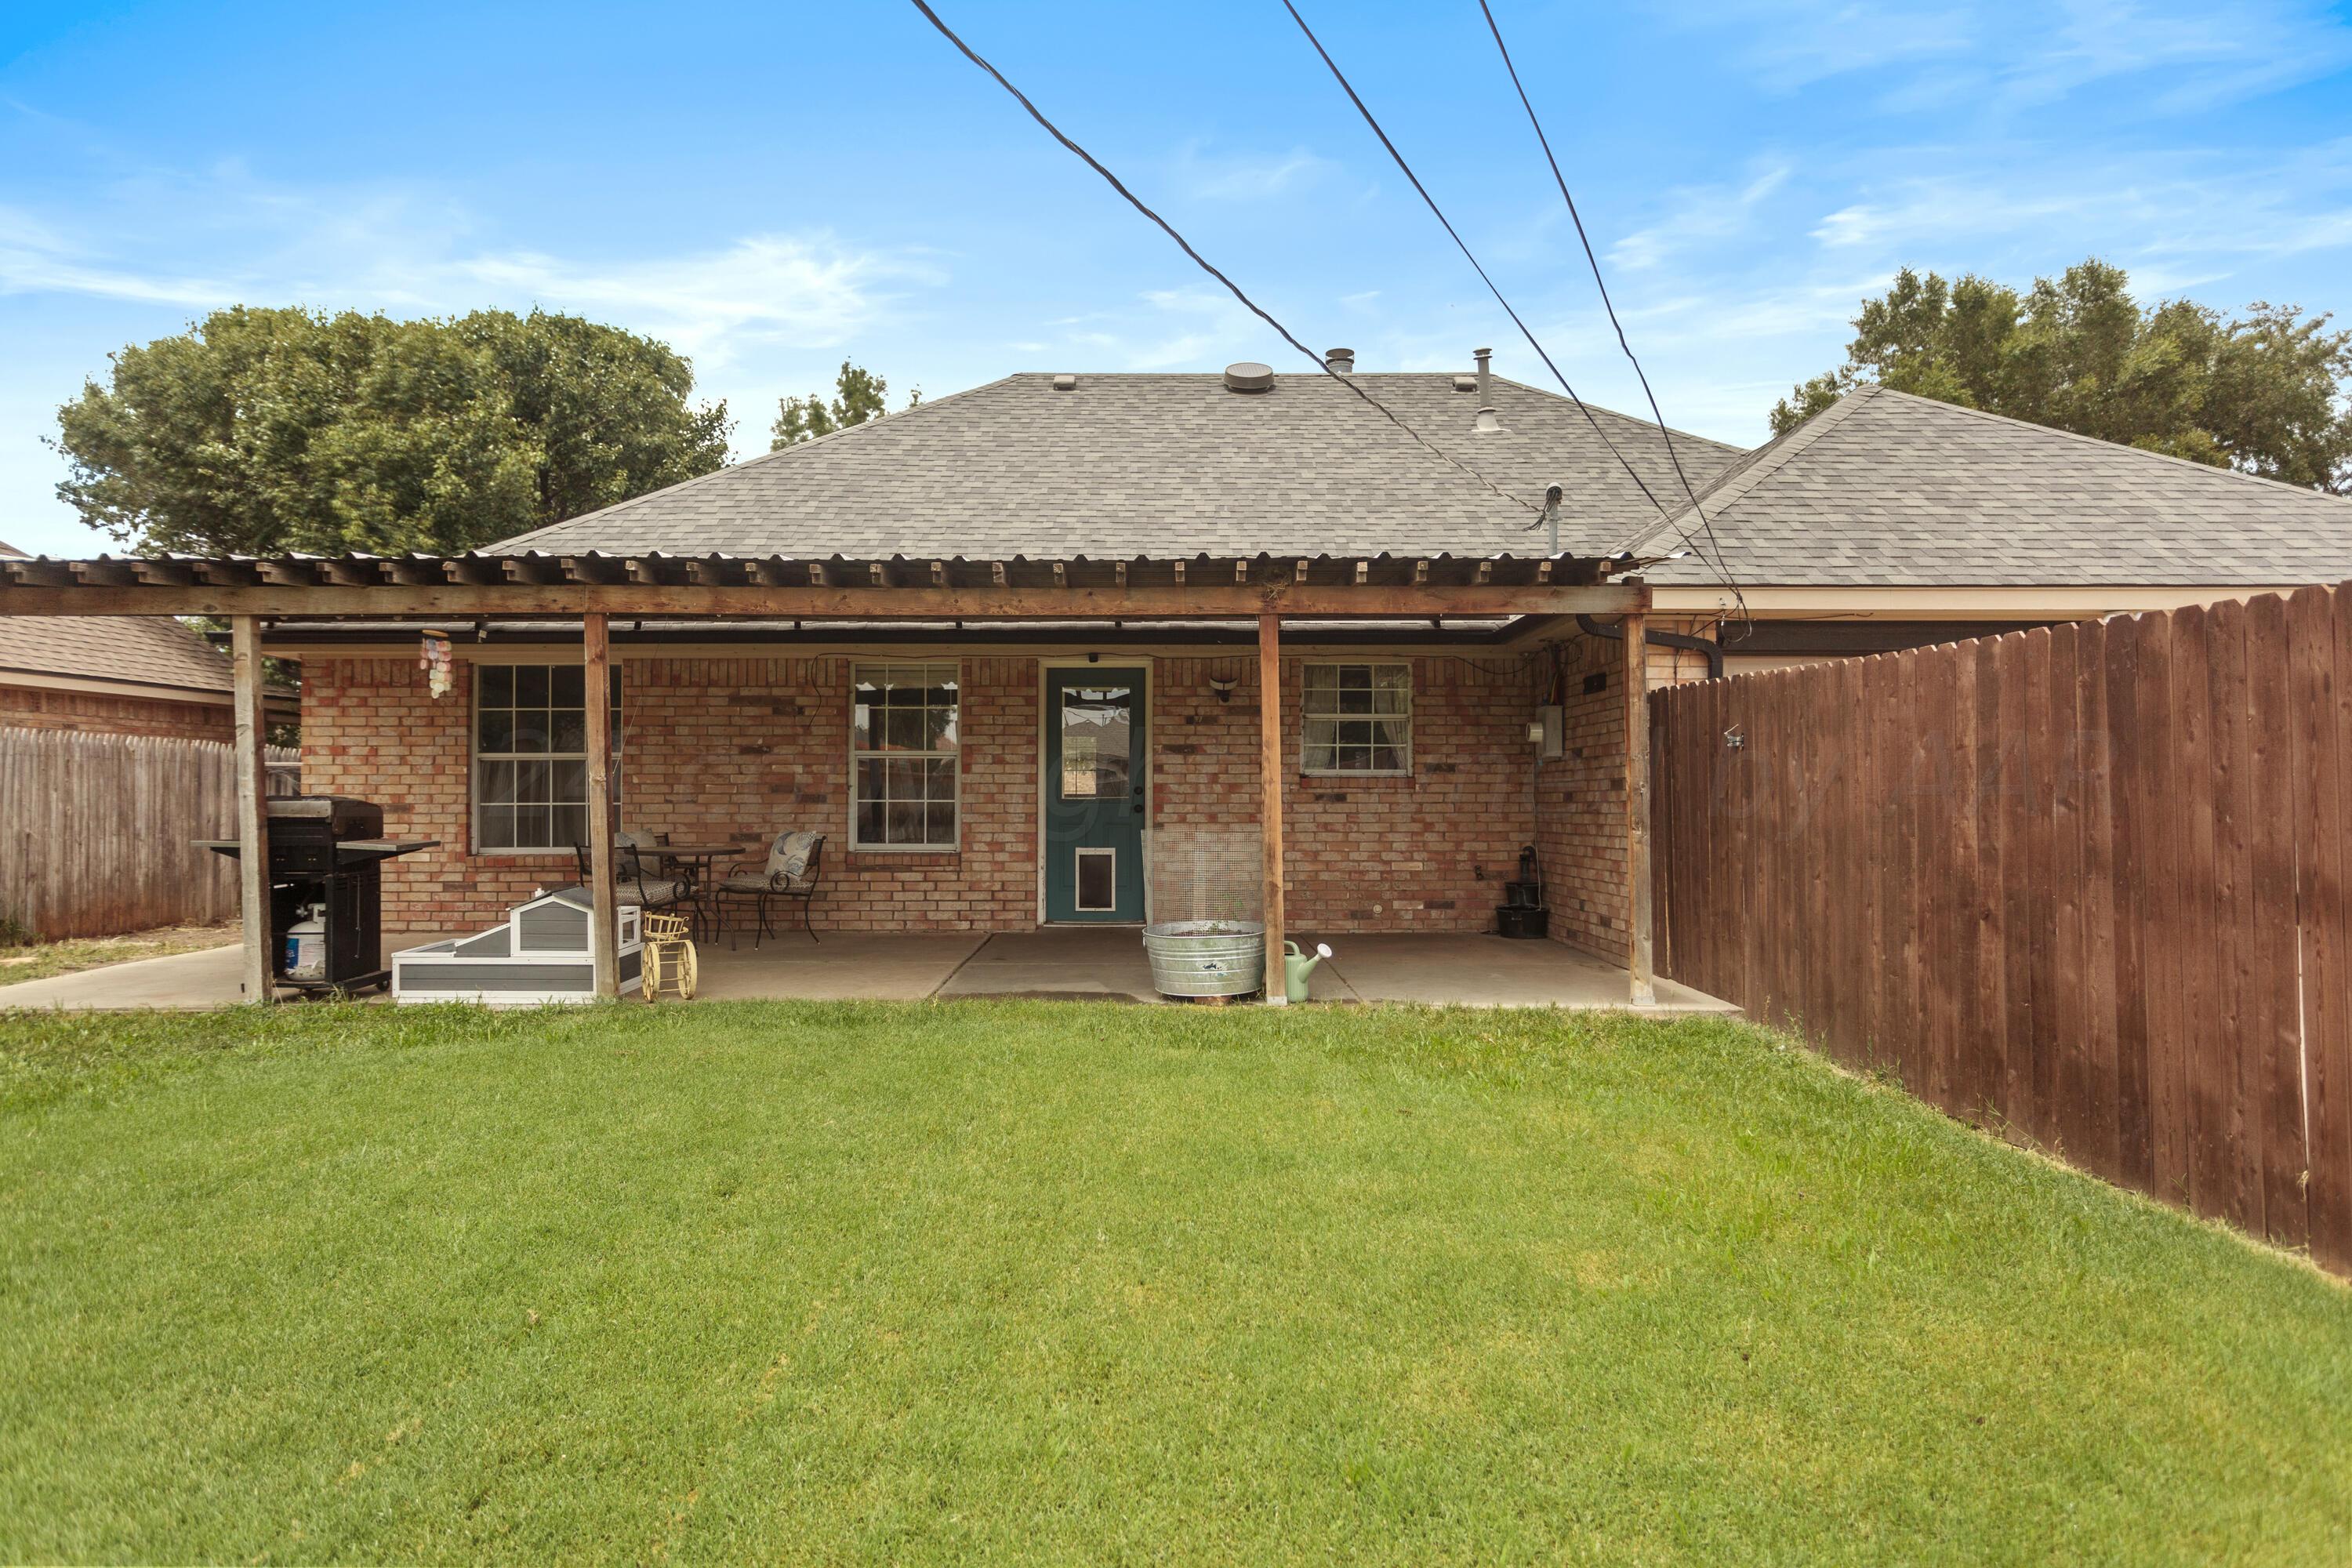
262,430
2266,394
857,394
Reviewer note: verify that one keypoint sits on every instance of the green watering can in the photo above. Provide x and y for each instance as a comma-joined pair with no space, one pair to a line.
1296,966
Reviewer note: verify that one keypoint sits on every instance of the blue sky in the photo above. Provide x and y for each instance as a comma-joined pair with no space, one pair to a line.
772,187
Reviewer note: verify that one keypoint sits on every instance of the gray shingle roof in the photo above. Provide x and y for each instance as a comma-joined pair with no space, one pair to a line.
150,650
1889,490
1162,466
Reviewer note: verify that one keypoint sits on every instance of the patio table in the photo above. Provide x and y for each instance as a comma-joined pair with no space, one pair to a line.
694,862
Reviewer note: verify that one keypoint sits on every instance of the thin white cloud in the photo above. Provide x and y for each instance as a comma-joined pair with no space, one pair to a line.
1795,45
2212,54
803,290
2171,205
1697,215
2006,55
409,251
1173,329
1249,177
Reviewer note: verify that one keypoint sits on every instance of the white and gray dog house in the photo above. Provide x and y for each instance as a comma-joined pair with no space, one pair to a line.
541,953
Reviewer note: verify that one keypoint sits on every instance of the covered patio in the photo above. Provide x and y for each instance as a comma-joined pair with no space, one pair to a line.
1105,965
1527,735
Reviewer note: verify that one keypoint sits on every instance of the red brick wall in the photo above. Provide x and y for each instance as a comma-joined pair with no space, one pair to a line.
1428,852
1580,798
369,729
1581,804
737,749
32,707
712,751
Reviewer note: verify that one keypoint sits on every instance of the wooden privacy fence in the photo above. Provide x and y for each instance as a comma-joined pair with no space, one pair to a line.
95,830
2086,884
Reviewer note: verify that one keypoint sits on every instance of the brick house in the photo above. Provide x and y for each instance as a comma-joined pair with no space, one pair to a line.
1010,649
119,675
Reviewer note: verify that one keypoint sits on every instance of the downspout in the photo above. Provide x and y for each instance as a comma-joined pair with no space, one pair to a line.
1712,649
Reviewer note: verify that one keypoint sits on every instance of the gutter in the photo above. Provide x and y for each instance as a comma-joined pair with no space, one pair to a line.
1713,651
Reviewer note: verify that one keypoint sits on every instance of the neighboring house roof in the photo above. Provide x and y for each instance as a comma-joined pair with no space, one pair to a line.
141,650
1163,466
1887,490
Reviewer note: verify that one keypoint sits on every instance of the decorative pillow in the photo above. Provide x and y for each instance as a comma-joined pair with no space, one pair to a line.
630,862
788,860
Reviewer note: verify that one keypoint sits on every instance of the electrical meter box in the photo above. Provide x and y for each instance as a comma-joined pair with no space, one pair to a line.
1544,731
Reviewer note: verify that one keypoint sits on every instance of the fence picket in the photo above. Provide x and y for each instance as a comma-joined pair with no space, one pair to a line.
2093,885
95,837
2274,1058
2327,923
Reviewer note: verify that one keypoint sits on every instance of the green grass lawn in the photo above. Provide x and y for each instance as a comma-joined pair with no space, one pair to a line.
1063,1281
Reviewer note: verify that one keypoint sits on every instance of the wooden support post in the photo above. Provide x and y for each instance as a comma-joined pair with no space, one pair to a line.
1269,743
596,694
260,968
1637,815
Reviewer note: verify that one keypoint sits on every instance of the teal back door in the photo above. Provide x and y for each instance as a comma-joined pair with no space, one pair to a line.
1095,804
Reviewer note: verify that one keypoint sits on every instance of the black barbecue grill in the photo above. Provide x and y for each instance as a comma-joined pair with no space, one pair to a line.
325,849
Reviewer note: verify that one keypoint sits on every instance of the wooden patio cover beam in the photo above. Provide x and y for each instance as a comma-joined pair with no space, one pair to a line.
1193,602
258,970
603,904
1270,786
1643,989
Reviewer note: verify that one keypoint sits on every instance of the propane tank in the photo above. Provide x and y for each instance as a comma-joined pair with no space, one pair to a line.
306,945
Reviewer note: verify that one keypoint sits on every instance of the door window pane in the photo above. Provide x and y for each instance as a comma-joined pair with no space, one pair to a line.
1094,723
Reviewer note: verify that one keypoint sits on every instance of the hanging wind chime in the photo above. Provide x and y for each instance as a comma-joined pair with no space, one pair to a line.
433,657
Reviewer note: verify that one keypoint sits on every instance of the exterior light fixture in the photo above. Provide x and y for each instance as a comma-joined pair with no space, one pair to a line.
1223,685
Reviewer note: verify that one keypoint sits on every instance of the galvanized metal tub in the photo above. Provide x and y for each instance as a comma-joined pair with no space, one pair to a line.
1207,957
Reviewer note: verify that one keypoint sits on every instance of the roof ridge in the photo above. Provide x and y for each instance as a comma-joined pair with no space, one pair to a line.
618,507
1210,375
1730,486
2099,441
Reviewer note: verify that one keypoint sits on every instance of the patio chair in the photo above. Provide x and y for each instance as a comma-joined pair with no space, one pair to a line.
633,883
791,872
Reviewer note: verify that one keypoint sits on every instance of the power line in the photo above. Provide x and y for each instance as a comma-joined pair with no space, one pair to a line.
1607,304
1435,211
1346,87
1202,262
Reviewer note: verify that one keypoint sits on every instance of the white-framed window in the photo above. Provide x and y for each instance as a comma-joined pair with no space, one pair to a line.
530,756
1356,719
903,749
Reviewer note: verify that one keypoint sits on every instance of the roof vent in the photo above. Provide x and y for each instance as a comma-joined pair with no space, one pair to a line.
1064,382
1487,423
1249,376
1486,370
1340,360
1466,384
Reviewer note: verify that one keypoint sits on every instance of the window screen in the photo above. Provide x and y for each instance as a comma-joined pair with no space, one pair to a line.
903,748
530,755
1357,719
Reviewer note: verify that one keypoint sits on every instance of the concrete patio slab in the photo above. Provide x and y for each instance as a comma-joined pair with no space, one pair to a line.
1097,963
1093,963
845,966
181,980
1491,972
